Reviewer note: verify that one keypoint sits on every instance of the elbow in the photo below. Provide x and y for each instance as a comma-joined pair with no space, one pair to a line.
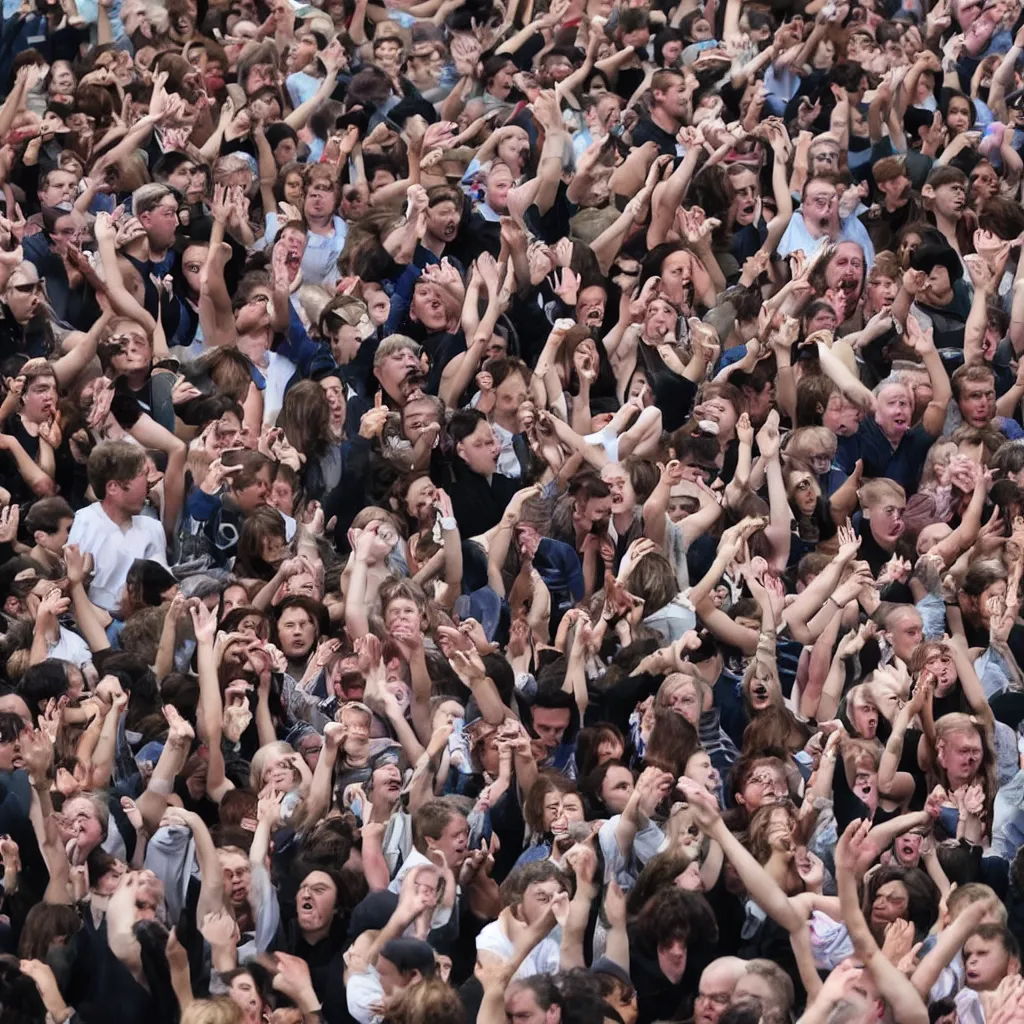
43,486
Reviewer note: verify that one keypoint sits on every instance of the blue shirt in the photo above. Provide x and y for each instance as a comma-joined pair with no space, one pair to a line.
902,465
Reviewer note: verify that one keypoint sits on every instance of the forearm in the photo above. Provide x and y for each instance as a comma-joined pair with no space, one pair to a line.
106,747
356,618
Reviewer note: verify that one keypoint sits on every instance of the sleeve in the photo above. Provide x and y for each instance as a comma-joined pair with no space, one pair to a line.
201,506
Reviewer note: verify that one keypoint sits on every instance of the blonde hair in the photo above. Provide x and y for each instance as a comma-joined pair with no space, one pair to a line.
262,758
217,1010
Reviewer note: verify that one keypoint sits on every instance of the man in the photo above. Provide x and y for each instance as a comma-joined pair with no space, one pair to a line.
818,222
945,195
974,391
156,208
899,204
551,717
668,103
111,528
297,631
714,992
991,954
942,299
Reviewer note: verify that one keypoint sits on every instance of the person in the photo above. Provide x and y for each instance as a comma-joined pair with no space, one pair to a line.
511,513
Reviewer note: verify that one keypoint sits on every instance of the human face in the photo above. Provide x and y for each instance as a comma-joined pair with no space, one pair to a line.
842,417
131,495
845,271
255,495
805,493
62,78
958,116
315,902
617,788
676,275
890,903
713,995
521,1006
402,616
984,182
986,962
594,514
745,192
766,785
85,824
394,370
386,783
417,416
54,542
378,304
590,306
24,293
335,395
906,631
510,395
623,496
821,205
302,52
501,84
683,700
246,996
443,220
864,718
881,291
895,407
60,189
136,352
296,631
320,199
537,899
949,200
260,76
960,754
452,842
886,520
39,399
721,411
192,262
824,158
419,500
550,724
672,960
235,597
480,449
671,100
161,223
499,181
237,877
294,189
514,149
428,307
699,768
660,320
978,402
189,180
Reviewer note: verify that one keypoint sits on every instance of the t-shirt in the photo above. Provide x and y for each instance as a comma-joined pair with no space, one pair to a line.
115,549
544,958
904,464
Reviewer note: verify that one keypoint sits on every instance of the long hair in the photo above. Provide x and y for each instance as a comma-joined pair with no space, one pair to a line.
306,419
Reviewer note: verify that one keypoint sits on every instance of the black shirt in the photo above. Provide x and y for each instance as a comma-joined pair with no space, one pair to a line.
477,504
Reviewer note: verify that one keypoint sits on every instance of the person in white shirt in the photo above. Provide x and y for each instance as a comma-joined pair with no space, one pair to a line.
531,889
111,529
819,222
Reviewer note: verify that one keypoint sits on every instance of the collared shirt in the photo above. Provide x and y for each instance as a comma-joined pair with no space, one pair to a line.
320,260
850,230
114,550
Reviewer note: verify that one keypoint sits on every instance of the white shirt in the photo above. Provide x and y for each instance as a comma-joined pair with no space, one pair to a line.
850,230
363,991
114,550
278,372
70,647
544,958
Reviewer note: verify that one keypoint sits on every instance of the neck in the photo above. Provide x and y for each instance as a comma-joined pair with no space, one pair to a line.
137,378
40,554
506,419
432,244
320,225
894,203
315,936
664,120
156,255
947,225
623,521
116,513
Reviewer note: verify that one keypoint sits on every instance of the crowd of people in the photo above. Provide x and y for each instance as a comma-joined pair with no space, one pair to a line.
511,512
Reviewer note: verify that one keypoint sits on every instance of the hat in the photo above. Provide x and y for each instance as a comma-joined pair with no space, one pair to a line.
929,255
605,965
201,586
279,131
410,955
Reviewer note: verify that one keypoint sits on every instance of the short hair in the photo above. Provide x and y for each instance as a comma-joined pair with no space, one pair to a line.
1008,458
521,878
969,374
973,892
445,194
587,485
881,489
946,175
429,821
395,343
990,932
676,915
664,78
114,462
464,422
149,197
46,515
888,168
778,980
886,265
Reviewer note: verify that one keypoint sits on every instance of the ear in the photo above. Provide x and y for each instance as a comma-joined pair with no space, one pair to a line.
39,536
1013,967
928,192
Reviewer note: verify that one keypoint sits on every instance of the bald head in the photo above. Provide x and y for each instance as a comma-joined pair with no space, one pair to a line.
15,705
715,990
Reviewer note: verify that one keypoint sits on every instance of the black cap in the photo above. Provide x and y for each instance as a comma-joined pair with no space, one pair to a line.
410,955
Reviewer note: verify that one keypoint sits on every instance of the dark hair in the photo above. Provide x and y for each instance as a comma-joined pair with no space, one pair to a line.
675,914
46,515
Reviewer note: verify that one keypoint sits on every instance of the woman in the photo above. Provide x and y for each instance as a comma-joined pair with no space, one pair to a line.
551,806
306,419
812,518
25,323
